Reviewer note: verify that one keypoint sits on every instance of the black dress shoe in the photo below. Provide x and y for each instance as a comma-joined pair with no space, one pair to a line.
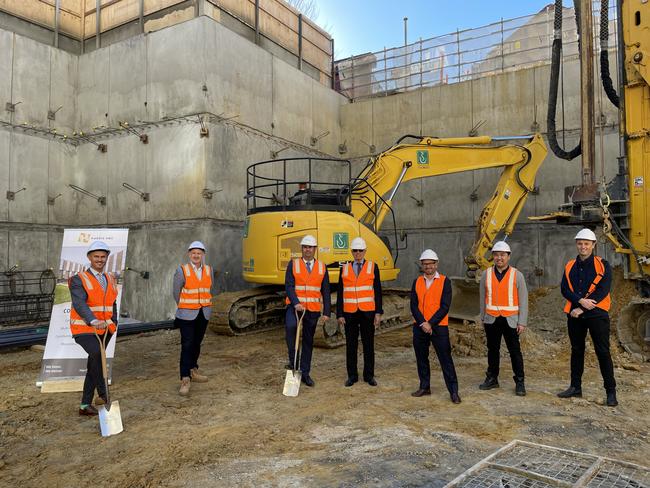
88,411
455,398
350,382
489,383
520,386
611,399
372,382
306,379
421,392
571,391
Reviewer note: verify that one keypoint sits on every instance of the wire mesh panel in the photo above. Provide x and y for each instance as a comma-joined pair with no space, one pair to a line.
525,464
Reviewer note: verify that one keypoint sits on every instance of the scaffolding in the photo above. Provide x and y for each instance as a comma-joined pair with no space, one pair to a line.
522,464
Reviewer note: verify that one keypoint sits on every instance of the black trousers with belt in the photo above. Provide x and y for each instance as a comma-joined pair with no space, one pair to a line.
94,374
493,334
440,340
598,328
192,332
355,323
309,323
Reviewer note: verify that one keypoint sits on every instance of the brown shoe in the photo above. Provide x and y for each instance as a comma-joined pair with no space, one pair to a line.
184,390
100,400
421,392
88,411
198,377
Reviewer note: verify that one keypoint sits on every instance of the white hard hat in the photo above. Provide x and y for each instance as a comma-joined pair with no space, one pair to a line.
586,234
428,254
358,243
308,240
98,246
501,246
196,245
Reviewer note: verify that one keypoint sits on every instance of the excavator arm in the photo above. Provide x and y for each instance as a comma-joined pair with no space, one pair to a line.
377,185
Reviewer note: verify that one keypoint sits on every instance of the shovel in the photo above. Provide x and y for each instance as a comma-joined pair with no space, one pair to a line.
293,377
110,418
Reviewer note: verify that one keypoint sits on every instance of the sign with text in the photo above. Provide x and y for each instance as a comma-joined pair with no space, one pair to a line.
64,361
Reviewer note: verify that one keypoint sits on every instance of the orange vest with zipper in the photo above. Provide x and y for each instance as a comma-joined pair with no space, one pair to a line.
100,302
429,300
196,293
501,297
358,291
600,272
308,284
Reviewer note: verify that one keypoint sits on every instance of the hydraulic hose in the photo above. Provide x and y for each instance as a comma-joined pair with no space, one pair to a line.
605,76
556,57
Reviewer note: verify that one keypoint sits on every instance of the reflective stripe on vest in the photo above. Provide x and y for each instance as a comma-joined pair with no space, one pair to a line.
429,300
308,284
501,297
195,293
99,301
358,291
605,303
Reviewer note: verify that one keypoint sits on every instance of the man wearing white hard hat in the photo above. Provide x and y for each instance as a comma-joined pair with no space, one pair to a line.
359,310
586,283
193,288
94,311
308,291
430,303
504,313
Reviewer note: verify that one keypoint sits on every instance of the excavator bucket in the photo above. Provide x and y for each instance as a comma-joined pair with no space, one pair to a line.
465,299
633,328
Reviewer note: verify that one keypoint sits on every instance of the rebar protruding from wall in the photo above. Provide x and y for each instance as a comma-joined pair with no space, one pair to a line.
100,199
143,194
11,195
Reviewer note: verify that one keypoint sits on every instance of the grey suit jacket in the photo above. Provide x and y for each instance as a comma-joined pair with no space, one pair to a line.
178,284
522,292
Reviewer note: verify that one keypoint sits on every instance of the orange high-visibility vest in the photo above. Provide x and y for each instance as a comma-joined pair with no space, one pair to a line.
308,284
358,291
195,293
429,300
501,297
600,272
100,302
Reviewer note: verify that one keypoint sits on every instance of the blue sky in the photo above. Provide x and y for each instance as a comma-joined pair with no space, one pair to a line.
360,26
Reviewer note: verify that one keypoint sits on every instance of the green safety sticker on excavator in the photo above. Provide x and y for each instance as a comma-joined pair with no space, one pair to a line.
341,240
423,158
246,224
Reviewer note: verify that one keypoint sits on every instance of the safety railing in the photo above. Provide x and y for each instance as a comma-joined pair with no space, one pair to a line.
507,45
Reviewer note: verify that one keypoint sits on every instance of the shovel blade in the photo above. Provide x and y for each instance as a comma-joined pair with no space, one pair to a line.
292,383
110,421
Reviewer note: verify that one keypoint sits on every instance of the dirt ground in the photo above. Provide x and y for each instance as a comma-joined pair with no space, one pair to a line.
238,429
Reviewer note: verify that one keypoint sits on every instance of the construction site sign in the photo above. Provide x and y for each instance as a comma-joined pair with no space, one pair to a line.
64,361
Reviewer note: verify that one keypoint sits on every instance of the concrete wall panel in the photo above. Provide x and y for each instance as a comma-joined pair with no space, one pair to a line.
128,162
176,59
88,171
326,109
292,104
30,82
6,73
5,145
63,90
62,167
128,81
448,113
93,95
239,78
29,169
28,249
356,127
392,117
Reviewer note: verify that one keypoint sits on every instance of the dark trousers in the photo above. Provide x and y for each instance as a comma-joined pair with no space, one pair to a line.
493,334
354,323
308,330
440,340
192,332
599,330
94,374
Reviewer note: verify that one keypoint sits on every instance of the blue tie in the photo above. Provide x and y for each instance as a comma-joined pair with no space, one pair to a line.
308,267
357,268
102,280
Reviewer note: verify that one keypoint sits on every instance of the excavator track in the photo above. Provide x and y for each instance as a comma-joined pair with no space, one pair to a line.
263,308
633,328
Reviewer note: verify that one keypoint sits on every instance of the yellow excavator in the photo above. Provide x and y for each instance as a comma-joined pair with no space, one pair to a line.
290,198
621,207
